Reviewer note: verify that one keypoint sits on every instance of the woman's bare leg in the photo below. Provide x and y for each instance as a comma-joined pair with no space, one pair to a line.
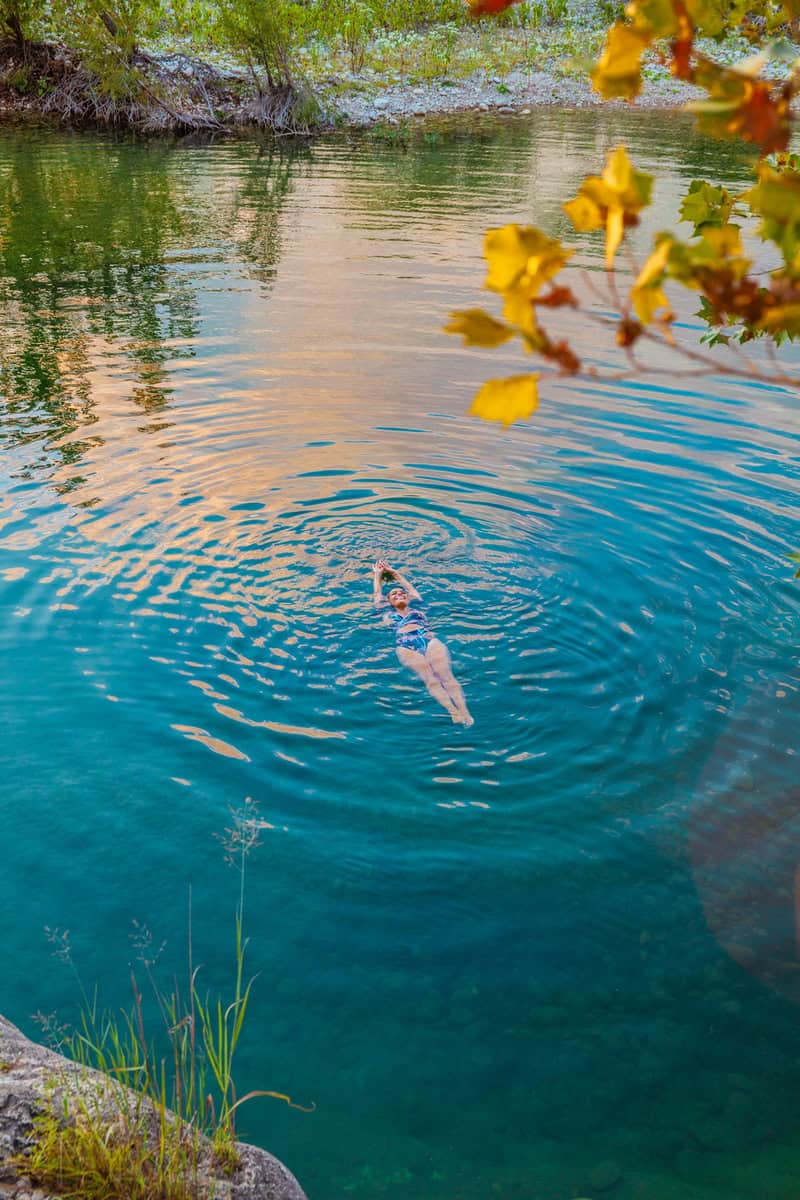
419,664
438,657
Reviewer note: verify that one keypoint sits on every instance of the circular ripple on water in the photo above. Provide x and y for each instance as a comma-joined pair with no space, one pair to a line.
256,609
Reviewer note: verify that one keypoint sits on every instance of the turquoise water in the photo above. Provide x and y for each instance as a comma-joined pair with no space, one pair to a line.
530,959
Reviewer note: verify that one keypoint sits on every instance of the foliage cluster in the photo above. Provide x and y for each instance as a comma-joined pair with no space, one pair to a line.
451,51
740,301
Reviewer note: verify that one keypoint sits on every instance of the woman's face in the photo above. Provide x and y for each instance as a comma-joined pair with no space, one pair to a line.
398,597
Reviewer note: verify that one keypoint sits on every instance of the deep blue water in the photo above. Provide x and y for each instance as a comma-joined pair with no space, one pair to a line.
497,960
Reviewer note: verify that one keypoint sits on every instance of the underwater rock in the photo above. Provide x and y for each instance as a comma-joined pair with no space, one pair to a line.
710,1132
34,1079
604,1177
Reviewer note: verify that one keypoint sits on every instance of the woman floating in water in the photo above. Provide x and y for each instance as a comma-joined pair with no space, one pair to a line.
417,646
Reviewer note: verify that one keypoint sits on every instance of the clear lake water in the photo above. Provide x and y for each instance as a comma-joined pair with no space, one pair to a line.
554,955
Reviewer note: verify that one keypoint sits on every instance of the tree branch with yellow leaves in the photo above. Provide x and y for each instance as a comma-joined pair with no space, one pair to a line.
531,271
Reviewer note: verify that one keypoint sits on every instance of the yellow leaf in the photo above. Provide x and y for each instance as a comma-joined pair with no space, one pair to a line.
507,251
618,73
647,295
776,198
521,256
786,317
656,17
621,177
507,400
724,244
598,191
741,105
615,227
612,200
478,328
709,17
618,171
655,264
584,213
519,311
647,301
715,251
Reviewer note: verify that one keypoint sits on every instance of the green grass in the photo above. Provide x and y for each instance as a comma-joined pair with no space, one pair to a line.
83,1154
451,52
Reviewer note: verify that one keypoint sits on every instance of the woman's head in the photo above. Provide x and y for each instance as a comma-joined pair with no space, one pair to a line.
397,595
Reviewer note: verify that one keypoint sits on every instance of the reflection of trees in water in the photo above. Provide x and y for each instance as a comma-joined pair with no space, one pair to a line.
254,210
83,237
532,164
444,168
91,235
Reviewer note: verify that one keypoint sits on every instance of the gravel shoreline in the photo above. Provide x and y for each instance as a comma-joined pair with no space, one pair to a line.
372,104
521,91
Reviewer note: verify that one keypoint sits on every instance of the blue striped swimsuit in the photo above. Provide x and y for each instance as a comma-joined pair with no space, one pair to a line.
412,639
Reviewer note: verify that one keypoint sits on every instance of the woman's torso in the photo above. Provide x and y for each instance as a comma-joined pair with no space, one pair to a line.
411,626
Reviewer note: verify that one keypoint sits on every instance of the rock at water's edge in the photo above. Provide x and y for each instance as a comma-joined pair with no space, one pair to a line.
28,1073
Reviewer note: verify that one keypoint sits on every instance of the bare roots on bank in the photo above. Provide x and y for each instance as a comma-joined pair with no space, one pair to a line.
175,93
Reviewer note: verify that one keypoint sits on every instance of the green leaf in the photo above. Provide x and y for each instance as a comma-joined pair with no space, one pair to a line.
776,198
705,205
709,17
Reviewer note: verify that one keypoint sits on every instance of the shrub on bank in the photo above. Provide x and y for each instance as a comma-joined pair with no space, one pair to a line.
245,60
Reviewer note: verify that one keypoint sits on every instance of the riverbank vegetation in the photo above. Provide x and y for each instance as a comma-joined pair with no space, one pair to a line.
290,66
216,64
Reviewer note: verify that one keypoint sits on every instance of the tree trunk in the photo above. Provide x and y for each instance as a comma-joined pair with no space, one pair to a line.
112,25
15,26
109,22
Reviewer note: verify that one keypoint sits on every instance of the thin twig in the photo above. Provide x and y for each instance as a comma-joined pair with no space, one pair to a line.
611,278
710,365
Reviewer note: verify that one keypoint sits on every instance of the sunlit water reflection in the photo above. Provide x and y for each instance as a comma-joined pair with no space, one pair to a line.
553,951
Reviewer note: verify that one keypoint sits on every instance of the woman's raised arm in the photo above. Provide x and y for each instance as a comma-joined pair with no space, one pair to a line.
404,583
377,577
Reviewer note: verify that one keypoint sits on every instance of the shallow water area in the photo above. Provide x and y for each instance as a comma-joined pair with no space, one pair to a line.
554,955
